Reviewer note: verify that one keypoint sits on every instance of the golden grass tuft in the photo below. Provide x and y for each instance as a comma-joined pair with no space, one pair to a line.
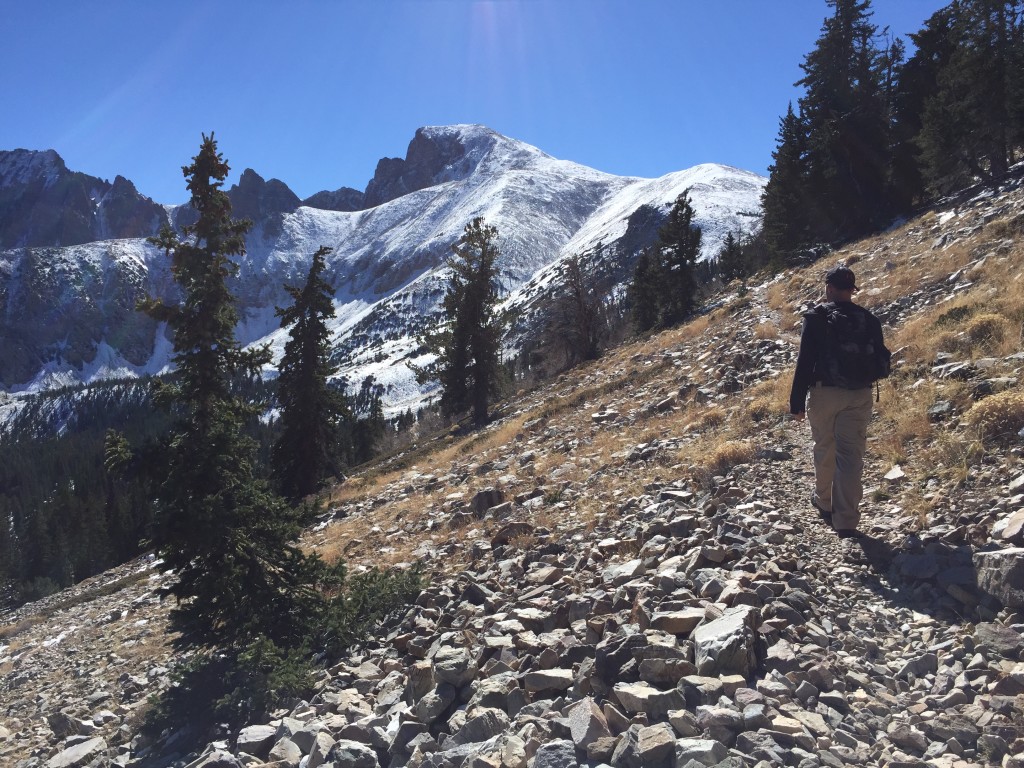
706,418
727,455
955,453
988,333
693,329
998,417
768,401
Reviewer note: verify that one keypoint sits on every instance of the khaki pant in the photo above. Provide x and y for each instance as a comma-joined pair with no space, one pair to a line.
839,427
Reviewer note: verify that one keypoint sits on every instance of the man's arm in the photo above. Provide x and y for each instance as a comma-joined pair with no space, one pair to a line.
806,358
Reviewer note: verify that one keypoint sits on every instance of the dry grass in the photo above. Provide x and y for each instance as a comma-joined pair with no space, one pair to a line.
10,631
693,329
704,418
903,415
954,453
779,295
997,418
593,477
988,334
727,455
767,401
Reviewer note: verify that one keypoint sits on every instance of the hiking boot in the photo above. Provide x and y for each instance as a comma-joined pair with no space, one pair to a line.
849,533
823,513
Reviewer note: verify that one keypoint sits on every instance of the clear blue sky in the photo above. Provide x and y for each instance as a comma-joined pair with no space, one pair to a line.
316,92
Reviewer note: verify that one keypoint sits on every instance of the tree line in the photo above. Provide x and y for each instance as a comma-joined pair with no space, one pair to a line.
68,519
877,133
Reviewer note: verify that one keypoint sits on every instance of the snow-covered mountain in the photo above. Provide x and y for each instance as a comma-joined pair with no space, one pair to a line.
66,308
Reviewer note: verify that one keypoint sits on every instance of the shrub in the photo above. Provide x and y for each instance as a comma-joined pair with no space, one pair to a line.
237,685
360,604
988,331
766,407
230,689
955,316
708,418
999,417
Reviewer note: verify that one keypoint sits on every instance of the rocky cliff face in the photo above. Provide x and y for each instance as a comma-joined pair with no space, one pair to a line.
42,203
435,155
344,199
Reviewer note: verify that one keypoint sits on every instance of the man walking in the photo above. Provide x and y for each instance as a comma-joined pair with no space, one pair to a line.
841,355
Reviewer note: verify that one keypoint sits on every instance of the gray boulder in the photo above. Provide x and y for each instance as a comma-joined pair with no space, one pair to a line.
587,723
455,666
728,645
78,755
352,754
560,753
701,751
256,740
1001,574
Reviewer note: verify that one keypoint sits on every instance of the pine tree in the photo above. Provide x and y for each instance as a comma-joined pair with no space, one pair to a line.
312,412
367,421
844,114
467,343
643,291
784,201
731,260
678,247
226,536
973,123
578,321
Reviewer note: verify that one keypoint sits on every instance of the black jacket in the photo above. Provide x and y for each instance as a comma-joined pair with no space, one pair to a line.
812,340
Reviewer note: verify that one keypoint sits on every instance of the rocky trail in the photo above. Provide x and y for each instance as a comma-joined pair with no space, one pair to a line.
613,582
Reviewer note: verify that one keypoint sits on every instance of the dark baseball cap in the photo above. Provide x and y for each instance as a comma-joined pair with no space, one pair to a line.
841,277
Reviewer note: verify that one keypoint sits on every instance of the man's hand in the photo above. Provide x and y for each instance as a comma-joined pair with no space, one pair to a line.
798,417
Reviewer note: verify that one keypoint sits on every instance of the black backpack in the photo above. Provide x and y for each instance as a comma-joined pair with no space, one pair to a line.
851,356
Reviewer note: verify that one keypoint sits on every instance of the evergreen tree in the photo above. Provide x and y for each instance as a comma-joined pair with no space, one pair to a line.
643,291
312,412
226,536
732,263
578,324
367,421
844,115
678,248
785,203
467,343
973,123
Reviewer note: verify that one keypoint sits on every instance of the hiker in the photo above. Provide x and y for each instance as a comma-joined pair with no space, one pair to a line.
841,355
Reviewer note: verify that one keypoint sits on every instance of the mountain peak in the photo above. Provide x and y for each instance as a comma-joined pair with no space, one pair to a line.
439,154
255,198
22,166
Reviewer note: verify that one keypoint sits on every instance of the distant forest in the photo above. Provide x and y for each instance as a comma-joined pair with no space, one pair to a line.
877,135
68,518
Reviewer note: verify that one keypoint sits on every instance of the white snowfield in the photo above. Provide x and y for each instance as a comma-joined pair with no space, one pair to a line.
388,264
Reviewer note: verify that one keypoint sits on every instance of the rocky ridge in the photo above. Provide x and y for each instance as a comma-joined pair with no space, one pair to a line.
45,204
67,309
627,573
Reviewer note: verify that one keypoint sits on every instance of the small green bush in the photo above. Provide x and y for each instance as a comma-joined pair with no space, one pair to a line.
361,604
225,688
